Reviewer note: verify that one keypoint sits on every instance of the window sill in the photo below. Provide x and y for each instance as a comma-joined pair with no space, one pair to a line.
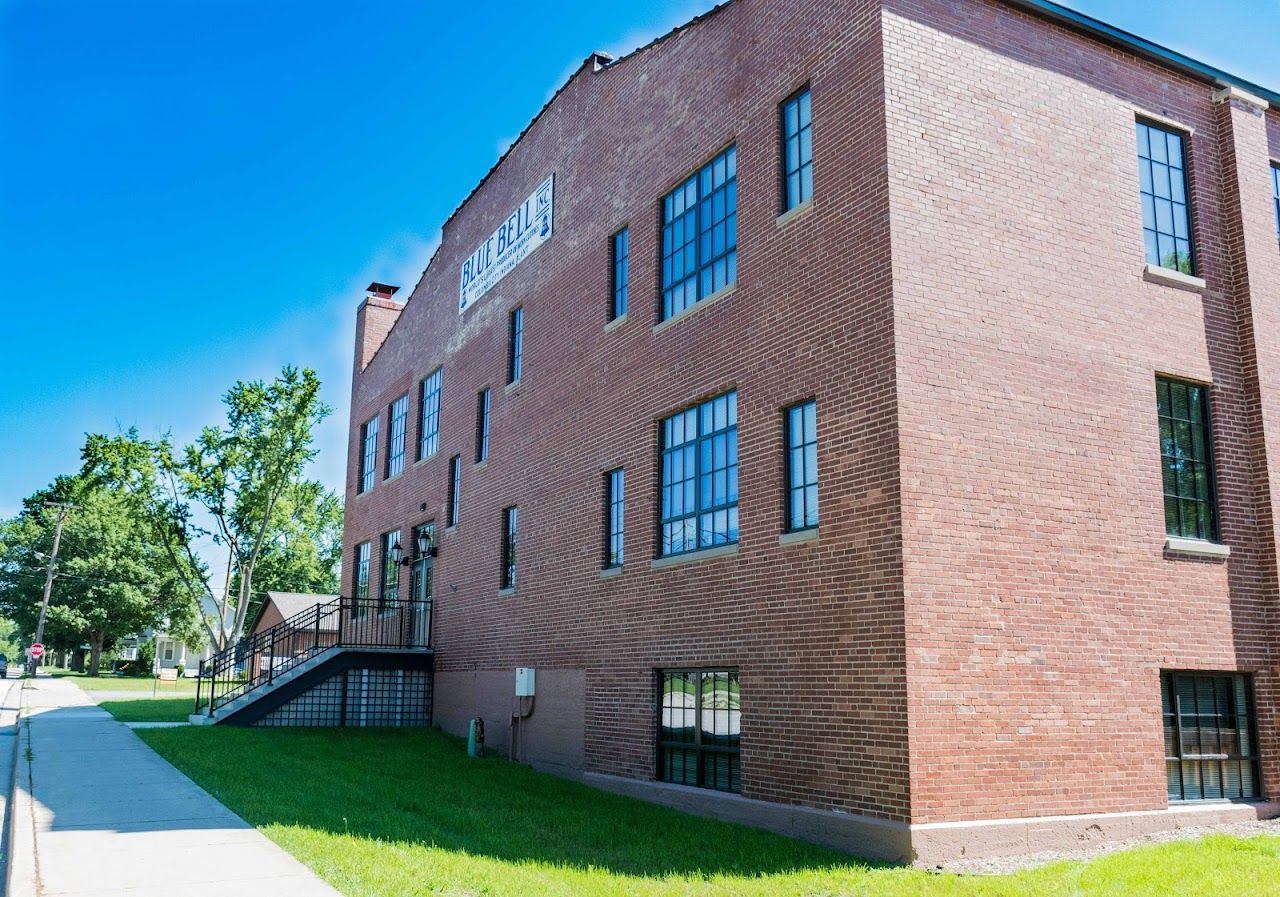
715,297
426,459
450,530
792,214
507,592
394,476
690,557
1196,547
513,386
1171,278
481,465
615,323
611,572
799,536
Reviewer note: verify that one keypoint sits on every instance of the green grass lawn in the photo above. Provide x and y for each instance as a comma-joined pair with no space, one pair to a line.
146,684
149,710
386,813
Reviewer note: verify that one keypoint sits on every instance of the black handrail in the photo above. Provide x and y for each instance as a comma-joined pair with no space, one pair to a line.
257,659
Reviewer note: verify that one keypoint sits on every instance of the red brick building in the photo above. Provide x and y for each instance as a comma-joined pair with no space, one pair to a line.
865,419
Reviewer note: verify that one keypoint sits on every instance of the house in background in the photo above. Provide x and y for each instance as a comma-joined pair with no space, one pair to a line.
280,606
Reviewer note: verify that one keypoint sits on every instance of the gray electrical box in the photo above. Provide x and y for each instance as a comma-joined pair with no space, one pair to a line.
524,682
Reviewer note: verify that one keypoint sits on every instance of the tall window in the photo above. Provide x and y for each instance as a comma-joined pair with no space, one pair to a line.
700,234
1166,219
1209,746
614,502
482,426
515,345
509,516
362,579
455,490
429,423
699,725
398,414
389,594
802,466
621,273
420,585
797,150
1186,457
368,454
1275,192
700,476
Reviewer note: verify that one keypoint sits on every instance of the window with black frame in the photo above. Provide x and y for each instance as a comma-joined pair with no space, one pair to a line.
802,466
420,586
797,150
429,419
1186,457
509,520
700,235
699,497
368,454
1275,194
398,415
621,273
1209,736
699,728
614,506
455,491
515,345
389,587
482,426
1166,206
361,596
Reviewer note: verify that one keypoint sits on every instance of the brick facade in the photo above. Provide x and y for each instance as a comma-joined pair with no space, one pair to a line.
978,630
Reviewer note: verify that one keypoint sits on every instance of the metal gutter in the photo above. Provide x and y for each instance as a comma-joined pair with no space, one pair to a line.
1140,46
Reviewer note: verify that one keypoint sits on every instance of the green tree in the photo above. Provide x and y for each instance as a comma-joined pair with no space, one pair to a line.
233,484
113,578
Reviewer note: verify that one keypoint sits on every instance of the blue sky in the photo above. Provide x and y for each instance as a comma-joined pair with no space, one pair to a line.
195,192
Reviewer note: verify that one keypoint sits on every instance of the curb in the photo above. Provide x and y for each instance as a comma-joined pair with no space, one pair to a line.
19,834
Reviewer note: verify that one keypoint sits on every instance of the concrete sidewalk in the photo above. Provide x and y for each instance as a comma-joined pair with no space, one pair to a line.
97,812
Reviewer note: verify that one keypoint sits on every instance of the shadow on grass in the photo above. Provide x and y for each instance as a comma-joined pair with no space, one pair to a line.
149,710
418,786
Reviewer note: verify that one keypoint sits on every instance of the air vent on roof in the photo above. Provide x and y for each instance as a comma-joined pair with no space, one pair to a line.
599,59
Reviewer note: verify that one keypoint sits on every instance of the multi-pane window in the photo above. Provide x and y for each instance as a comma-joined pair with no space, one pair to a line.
797,150
429,422
482,426
700,234
515,345
802,466
700,477
699,725
1275,193
420,583
621,273
1166,217
389,588
362,579
1186,458
455,490
1209,746
509,517
615,484
398,415
368,454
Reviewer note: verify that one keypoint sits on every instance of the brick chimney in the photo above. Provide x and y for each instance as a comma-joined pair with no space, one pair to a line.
374,319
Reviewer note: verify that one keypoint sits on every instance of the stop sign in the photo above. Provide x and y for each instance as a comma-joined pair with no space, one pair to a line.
37,649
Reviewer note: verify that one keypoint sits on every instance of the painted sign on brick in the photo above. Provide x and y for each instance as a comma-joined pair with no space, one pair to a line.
523,231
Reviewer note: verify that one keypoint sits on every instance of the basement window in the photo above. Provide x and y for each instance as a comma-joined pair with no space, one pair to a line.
1210,741
699,724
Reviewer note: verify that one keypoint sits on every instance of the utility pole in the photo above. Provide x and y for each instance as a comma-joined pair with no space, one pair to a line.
48,576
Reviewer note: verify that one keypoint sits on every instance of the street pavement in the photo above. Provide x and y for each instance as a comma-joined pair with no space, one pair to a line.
97,812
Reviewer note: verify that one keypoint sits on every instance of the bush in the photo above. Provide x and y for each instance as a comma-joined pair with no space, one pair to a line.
146,657
181,668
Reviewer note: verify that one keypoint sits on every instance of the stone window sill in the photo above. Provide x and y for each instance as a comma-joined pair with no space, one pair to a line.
1172,278
792,214
450,530
615,323
691,557
1196,547
481,465
611,572
799,536
507,592
514,386
426,459
722,293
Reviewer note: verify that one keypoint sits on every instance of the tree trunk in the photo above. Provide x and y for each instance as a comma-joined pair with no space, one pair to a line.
95,651
77,660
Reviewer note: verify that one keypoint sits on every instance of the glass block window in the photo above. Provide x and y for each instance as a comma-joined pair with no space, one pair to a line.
515,345
797,150
621,273
389,594
398,415
700,477
482,426
455,490
615,485
510,518
362,579
429,422
699,725
1166,217
1275,194
700,234
802,466
368,454
1209,742
1186,458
